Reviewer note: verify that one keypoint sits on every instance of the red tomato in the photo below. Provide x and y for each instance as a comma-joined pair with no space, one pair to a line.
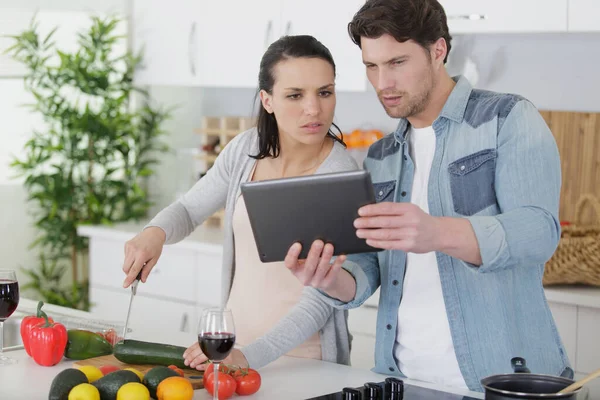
223,369
227,385
248,381
107,369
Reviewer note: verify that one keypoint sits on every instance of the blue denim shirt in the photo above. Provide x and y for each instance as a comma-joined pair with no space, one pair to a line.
496,164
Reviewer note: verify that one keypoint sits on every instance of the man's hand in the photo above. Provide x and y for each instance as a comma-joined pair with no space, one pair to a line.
404,226
398,226
318,271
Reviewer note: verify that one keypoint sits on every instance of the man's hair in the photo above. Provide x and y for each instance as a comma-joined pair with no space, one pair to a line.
423,21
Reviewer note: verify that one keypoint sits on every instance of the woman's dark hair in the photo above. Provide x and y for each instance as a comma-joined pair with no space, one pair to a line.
423,21
297,46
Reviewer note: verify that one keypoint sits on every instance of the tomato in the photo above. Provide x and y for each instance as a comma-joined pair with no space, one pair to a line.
107,369
227,385
176,369
223,369
248,381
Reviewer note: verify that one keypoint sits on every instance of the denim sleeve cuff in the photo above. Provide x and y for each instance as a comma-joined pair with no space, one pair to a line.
493,247
362,288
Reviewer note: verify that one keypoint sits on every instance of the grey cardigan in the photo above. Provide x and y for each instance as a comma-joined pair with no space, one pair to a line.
221,187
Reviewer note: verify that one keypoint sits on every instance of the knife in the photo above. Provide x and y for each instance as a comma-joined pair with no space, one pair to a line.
133,292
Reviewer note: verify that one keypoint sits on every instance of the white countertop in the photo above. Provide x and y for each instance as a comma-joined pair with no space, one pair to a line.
303,378
205,237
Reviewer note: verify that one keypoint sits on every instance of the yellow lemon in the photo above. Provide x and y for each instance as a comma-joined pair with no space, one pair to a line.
133,391
138,373
84,391
91,372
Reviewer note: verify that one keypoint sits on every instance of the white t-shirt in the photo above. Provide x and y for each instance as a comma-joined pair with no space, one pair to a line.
424,348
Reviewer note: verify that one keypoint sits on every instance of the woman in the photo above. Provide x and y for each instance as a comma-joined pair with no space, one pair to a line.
274,314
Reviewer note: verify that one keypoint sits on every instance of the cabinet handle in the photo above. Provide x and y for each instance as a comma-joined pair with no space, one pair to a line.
470,17
184,320
191,49
288,28
268,33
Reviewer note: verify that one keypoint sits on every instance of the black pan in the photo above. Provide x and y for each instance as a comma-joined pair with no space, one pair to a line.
525,385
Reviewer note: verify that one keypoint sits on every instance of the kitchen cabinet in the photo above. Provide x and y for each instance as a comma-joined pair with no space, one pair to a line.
510,16
329,26
202,43
186,280
583,16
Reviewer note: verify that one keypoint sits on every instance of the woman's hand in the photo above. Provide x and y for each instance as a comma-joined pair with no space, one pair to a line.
194,358
142,251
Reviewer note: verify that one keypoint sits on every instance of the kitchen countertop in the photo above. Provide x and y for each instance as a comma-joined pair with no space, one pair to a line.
303,378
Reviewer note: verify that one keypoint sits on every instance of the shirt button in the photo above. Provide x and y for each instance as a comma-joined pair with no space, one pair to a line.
391,369
381,192
405,158
395,283
403,194
389,327
462,167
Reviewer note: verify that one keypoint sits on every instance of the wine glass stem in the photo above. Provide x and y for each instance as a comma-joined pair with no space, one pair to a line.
216,389
1,339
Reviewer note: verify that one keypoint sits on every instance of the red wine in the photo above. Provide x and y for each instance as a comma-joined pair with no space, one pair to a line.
216,346
9,298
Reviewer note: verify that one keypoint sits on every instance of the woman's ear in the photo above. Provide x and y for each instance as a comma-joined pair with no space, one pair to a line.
266,99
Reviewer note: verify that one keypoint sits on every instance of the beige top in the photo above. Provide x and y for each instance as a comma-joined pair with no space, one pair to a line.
262,293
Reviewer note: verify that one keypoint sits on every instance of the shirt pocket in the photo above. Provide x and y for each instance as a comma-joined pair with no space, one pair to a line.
384,191
472,182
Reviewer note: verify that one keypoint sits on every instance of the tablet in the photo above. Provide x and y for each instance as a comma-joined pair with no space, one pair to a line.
306,208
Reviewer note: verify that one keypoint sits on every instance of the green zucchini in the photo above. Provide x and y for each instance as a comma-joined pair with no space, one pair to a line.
138,353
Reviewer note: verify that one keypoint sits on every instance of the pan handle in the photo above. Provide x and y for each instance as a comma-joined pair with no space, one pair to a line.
519,365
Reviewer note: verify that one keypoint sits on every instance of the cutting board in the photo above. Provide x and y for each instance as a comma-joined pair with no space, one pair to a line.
195,377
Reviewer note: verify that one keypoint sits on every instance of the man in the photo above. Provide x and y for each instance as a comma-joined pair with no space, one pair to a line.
467,194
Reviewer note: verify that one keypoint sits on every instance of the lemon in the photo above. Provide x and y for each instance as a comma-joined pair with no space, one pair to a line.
133,391
91,372
84,391
138,373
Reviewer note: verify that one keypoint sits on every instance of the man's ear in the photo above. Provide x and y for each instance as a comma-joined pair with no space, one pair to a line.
267,101
439,49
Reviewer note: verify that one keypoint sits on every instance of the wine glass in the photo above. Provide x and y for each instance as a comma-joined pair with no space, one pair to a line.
216,336
9,299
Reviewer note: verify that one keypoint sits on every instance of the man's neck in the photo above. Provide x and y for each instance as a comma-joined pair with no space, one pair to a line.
436,103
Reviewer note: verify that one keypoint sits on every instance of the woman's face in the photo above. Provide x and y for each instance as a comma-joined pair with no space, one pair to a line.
303,99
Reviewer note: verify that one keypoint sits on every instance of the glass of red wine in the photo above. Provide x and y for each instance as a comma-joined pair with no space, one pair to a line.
9,300
216,336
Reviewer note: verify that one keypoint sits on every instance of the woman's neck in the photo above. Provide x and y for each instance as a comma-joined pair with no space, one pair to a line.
300,159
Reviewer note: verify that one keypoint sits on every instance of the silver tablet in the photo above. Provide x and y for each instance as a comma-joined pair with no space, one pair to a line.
304,209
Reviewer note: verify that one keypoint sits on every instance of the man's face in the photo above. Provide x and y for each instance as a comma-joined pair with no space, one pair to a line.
403,74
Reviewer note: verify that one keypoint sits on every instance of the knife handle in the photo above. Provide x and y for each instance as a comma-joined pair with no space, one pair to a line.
139,276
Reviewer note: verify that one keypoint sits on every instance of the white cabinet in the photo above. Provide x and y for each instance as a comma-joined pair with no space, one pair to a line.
220,44
329,26
583,15
186,279
147,313
510,16
165,32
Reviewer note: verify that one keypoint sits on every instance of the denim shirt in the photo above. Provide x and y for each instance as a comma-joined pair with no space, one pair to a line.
496,164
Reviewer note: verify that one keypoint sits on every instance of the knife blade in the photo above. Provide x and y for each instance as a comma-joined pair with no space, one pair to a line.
133,293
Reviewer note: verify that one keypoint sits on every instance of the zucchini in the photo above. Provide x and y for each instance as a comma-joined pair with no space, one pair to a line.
137,352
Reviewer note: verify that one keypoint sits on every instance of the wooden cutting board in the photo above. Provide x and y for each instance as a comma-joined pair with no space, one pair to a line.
195,377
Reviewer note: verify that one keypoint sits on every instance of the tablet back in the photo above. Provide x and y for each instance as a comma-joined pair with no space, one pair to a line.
307,208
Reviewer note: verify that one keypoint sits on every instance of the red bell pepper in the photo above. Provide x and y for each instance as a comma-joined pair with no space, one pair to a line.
29,322
48,342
